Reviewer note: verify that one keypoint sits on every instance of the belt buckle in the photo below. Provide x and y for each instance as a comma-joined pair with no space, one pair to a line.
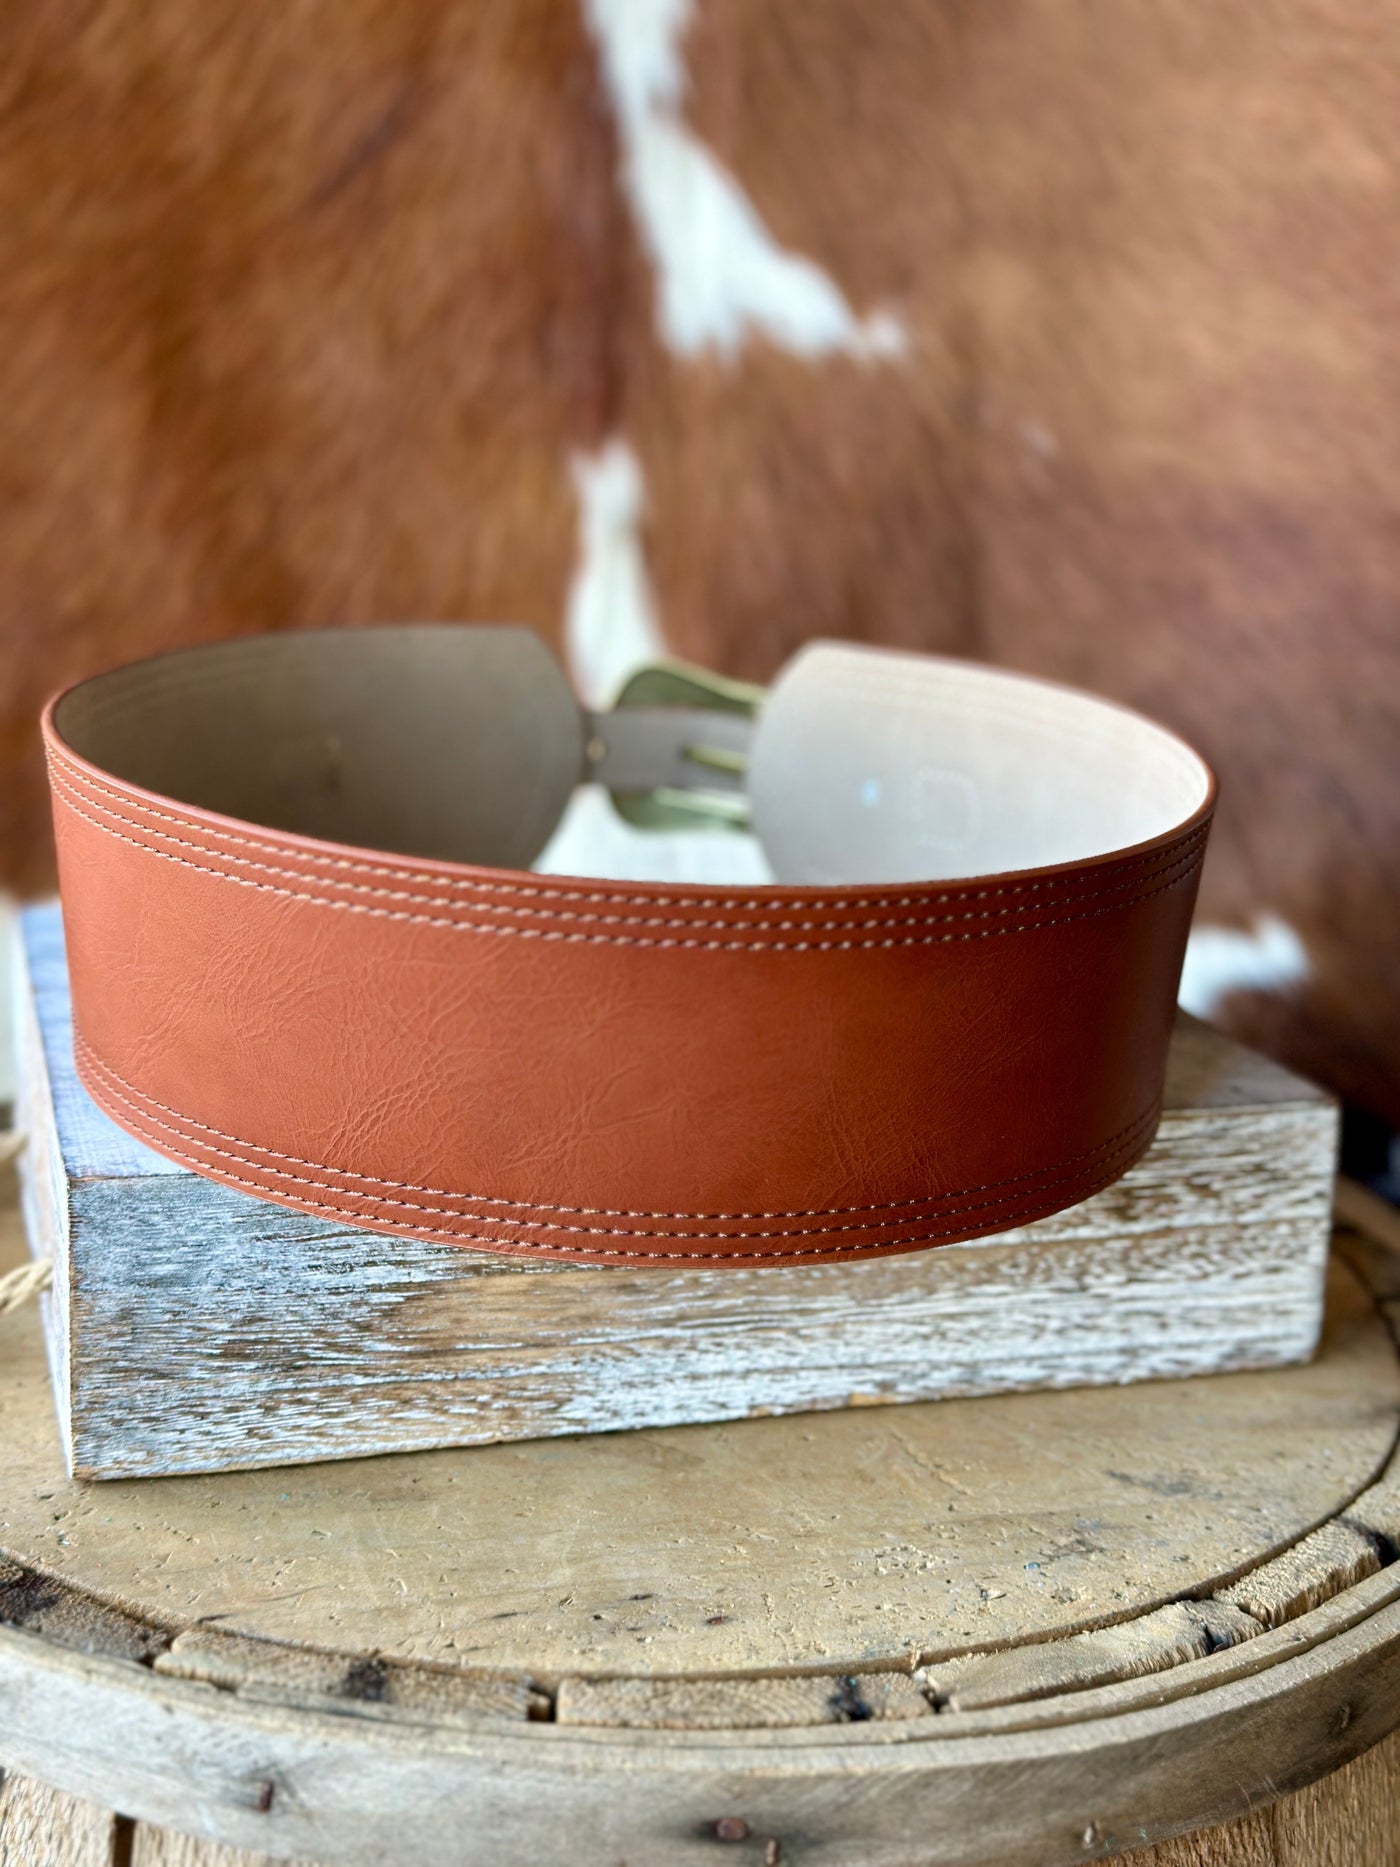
721,803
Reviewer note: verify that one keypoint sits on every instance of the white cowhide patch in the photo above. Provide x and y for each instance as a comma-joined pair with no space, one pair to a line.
720,274
610,625
1222,960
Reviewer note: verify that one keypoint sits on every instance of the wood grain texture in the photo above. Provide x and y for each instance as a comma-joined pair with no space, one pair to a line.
1149,1643
163,1847
866,1537
204,1329
1173,1737
1333,1558
304,1784
1202,1714
738,1704
1348,1819
42,1827
361,1685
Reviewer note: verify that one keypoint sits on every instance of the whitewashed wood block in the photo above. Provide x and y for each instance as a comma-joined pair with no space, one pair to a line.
193,1328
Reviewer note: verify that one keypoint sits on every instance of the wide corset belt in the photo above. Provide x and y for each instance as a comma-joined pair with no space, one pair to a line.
310,959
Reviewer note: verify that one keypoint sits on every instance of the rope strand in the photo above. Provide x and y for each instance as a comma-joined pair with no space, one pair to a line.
25,1281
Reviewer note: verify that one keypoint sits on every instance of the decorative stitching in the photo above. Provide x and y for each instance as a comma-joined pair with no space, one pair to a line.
90,1056
1124,1139
622,920
376,1222
538,933
775,901
772,904
779,899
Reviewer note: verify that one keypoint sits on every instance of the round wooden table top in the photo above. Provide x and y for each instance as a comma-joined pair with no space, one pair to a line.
1042,1628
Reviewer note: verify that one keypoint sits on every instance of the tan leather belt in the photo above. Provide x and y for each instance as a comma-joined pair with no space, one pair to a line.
309,958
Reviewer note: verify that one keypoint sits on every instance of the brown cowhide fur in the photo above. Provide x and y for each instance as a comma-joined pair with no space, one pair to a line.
304,312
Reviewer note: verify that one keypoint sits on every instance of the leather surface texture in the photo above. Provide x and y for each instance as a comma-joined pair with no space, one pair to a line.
386,1033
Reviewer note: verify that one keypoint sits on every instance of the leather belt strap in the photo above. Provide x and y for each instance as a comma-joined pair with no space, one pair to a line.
309,958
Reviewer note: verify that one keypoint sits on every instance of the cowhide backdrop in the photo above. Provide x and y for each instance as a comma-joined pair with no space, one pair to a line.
1057,332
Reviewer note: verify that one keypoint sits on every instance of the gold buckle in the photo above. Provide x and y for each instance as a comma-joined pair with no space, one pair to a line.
668,807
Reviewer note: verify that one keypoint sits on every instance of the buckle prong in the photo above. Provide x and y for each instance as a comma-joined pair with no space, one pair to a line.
680,805
717,758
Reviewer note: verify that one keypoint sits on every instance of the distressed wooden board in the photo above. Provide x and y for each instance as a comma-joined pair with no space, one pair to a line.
160,1847
205,1329
1348,1819
874,1536
362,1685
301,1784
1335,1557
42,1827
1149,1643
849,1771
738,1704
74,1618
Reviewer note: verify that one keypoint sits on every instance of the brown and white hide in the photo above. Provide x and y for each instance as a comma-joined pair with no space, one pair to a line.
1062,335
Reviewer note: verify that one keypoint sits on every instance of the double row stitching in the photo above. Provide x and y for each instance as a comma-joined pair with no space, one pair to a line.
626,920
90,1057
590,939
780,899
1125,1139
377,1222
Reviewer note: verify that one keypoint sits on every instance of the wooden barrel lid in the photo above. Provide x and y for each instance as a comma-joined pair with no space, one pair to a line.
664,1631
